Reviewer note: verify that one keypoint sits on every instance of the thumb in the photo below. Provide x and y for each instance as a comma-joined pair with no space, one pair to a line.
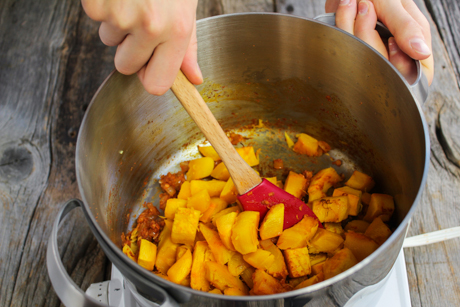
190,66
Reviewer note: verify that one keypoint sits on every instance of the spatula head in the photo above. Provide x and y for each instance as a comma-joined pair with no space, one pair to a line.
266,195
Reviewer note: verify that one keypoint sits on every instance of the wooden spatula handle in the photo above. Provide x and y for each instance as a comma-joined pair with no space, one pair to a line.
244,177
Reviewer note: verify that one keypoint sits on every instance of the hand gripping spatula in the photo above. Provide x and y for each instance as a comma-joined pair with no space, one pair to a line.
255,194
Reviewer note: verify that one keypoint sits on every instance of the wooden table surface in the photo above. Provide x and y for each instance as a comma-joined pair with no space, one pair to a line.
51,64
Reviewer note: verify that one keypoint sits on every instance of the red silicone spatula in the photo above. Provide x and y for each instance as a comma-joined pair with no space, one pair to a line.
255,194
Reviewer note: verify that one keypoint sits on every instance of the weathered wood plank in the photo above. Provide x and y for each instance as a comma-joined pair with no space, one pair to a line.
305,8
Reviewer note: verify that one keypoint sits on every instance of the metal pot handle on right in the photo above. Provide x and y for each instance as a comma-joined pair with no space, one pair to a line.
420,87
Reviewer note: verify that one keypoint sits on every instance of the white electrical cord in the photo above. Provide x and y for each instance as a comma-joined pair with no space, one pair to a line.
432,237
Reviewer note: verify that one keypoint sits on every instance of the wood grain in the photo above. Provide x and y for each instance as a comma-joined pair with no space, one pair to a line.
52,62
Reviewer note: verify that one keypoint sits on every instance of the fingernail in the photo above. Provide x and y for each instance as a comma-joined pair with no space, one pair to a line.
344,2
420,46
392,46
363,7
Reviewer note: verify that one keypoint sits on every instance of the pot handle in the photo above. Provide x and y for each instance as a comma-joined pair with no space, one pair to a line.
420,87
68,291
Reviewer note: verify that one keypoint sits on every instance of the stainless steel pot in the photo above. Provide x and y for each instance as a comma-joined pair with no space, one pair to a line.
294,74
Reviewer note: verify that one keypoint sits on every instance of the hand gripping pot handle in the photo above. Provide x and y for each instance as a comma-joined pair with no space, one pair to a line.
67,290
420,87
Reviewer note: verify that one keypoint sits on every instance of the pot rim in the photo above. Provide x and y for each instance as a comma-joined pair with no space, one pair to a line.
324,284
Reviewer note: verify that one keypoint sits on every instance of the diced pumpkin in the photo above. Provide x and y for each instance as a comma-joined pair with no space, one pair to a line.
317,268
360,245
185,226
321,182
214,187
294,282
166,253
325,241
331,209
265,284
200,201
340,262
354,199
237,265
380,205
182,249
278,268
246,276
209,151
180,270
219,276
366,198
215,291
272,224
289,141
224,225
360,181
357,226
184,191
147,254
235,292
273,180
307,145
159,274
172,205
317,258
217,205
296,184
260,259
378,231
220,172
311,281
198,280
298,262
200,168
298,235
218,249
248,155
128,252
229,193
244,233
334,227
223,212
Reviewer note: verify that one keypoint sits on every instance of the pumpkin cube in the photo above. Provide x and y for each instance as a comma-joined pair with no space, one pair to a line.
209,151
356,226
311,281
236,264
298,235
272,224
244,233
214,187
378,231
354,199
248,155
334,227
380,205
325,241
289,141
217,205
185,226
197,279
200,201
147,254
318,267
218,249
223,212
215,291
366,198
321,182
219,276
184,191
340,262
220,172
246,276
278,268
331,209
229,193
182,249
128,252
360,181
296,184
298,262
360,245
180,270
307,145
317,258
200,168
166,253
260,259
172,205
265,284
235,292
224,225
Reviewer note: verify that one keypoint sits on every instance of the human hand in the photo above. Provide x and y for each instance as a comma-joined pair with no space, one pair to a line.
411,30
154,38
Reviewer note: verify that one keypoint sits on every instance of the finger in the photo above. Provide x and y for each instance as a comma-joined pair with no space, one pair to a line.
162,68
134,52
190,66
331,6
110,35
401,61
364,28
345,15
408,33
